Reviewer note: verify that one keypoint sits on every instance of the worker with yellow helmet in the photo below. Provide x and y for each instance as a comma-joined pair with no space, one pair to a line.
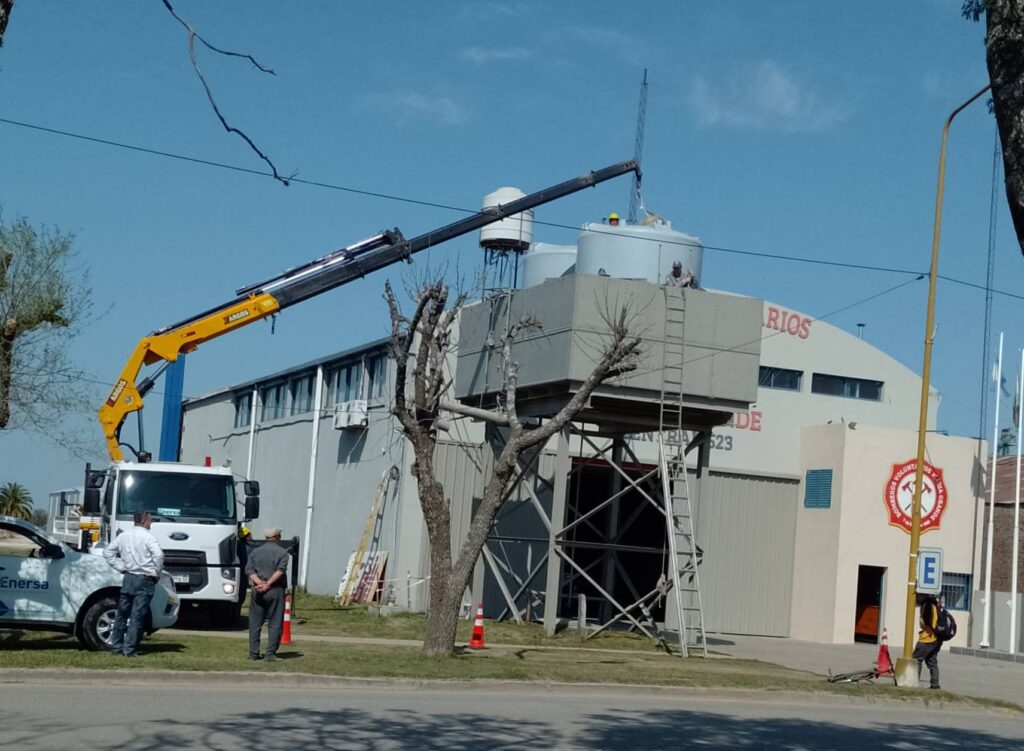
613,219
244,538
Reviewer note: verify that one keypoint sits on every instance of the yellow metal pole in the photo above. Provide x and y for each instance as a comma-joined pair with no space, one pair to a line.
906,669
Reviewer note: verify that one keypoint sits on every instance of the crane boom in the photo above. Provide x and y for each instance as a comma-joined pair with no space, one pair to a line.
255,302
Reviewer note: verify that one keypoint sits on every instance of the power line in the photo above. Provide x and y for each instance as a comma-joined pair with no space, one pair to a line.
447,207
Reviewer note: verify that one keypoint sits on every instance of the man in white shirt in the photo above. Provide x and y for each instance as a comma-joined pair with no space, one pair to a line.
137,555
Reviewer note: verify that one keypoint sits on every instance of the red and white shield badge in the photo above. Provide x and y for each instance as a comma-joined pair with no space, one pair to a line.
899,496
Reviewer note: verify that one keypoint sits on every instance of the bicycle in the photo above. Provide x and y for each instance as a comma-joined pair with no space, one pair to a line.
858,676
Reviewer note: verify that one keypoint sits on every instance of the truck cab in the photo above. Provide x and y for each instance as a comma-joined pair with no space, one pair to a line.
195,515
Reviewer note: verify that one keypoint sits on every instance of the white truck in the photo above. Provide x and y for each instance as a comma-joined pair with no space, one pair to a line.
195,520
46,585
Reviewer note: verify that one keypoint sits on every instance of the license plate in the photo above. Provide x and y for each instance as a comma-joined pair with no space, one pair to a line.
180,578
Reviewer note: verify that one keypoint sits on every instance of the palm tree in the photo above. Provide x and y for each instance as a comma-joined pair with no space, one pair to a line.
15,501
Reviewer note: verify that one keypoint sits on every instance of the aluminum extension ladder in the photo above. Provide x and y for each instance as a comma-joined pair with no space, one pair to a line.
678,510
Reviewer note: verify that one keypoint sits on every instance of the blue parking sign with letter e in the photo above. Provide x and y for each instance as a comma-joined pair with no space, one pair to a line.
929,570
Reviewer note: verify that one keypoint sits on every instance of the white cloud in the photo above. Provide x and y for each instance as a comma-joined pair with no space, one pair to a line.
764,96
408,106
482,56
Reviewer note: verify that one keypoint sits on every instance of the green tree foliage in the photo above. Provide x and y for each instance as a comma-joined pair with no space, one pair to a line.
15,501
1004,53
44,303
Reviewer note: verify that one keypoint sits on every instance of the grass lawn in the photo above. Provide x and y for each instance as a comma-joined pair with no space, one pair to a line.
320,615
168,650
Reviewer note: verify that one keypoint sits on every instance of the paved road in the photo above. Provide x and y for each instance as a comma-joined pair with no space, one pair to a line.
179,711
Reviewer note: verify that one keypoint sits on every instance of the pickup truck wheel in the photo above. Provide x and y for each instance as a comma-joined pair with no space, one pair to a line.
98,625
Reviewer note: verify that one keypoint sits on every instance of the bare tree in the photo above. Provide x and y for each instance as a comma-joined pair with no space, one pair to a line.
424,340
44,302
6,6
1004,53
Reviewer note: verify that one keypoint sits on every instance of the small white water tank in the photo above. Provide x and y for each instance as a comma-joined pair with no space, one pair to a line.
512,233
547,261
637,251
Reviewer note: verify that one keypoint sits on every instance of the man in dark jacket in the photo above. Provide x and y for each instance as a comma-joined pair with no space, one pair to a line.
266,573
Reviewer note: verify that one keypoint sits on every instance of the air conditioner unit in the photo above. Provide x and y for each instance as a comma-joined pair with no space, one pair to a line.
350,415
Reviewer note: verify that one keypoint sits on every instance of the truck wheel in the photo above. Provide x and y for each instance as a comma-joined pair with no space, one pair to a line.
98,625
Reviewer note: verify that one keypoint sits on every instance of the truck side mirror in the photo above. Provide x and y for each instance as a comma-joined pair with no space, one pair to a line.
252,507
251,487
91,501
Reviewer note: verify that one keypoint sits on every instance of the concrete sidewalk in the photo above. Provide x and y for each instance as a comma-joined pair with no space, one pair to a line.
961,674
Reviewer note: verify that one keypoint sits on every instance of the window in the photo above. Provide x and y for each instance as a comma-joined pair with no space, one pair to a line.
343,383
243,409
780,378
956,590
175,495
851,388
273,398
301,392
17,543
377,371
818,488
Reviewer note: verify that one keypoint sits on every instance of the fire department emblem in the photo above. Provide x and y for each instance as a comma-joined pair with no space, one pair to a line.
899,496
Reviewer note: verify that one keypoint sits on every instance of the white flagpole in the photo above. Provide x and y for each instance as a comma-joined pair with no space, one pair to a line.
1016,514
992,504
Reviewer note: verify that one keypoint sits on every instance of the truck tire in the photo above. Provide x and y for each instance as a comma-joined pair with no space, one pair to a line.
226,613
98,624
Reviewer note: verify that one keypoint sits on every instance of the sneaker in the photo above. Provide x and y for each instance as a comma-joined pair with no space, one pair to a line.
936,688
255,657
270,657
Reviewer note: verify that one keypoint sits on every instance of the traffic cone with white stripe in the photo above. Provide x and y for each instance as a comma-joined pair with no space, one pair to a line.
884,665
477,639
286,634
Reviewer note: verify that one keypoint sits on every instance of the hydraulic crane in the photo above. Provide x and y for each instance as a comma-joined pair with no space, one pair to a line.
258,301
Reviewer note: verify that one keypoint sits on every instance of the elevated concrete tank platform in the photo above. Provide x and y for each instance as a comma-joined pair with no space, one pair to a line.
721,351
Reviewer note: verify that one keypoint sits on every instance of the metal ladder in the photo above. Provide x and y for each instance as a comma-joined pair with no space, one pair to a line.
678,510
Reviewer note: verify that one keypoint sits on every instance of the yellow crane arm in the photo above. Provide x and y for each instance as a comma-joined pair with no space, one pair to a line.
126,398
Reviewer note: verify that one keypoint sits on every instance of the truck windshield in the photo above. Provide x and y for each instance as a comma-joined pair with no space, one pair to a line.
174,495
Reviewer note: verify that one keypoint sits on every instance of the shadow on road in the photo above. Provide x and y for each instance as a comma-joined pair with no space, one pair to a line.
403,728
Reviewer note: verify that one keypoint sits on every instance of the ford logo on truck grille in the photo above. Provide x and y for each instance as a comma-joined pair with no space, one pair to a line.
178,536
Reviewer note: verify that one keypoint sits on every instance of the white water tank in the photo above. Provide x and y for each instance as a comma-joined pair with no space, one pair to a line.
547,261
512,233
637,251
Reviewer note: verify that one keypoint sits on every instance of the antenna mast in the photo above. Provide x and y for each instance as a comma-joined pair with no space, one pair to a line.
638,150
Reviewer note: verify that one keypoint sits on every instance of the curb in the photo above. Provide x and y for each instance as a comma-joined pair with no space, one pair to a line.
143,676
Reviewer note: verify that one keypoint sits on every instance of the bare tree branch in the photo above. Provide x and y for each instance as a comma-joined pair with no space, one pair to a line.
5,15
192,36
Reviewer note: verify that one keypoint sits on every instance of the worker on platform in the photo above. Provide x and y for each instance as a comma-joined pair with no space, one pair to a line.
613,219
677,278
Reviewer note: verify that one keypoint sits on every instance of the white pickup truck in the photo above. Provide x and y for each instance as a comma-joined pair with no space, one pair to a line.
46,585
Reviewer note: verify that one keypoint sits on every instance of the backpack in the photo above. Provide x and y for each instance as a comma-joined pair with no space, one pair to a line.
945,625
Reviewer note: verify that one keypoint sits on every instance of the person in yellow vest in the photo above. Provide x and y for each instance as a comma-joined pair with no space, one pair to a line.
928,644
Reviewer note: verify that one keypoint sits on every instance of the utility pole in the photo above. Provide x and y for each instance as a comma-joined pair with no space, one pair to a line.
906,668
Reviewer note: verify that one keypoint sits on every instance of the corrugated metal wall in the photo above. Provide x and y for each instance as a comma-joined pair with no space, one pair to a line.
746,526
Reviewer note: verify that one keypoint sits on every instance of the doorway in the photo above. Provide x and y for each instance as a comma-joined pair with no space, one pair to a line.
870,587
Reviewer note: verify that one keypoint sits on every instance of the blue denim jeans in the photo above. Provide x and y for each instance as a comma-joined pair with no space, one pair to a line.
132,611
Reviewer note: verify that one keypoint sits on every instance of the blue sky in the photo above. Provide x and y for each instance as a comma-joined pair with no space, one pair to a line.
793,128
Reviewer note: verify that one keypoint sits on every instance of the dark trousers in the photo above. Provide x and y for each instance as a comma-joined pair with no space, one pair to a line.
132,611
928,653
266,606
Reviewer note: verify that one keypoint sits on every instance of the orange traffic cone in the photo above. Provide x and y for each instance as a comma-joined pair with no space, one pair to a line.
884,661
286,635
477,640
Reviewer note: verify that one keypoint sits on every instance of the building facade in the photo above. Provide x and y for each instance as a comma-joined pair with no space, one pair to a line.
791,513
